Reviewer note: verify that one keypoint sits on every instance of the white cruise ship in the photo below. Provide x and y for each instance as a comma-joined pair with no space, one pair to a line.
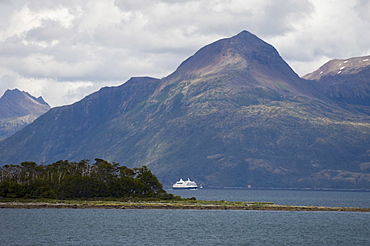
188,184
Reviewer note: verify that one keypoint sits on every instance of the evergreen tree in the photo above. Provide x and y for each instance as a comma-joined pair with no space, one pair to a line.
64,179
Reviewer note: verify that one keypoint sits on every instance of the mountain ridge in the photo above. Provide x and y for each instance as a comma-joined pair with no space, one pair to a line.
230,115
340,66
15,103
18,109
345,80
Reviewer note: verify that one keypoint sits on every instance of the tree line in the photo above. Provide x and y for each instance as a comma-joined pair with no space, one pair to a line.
64,179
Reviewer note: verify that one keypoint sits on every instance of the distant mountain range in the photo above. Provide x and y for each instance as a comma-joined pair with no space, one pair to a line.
232,115
18,109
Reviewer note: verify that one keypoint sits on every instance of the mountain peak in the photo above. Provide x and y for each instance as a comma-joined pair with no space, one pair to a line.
15,103
248,39
257,63
245,33
233,53
17,94
242,52
345,80
340,67
11,93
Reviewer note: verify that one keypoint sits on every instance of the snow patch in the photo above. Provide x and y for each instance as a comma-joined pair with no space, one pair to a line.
339,72
321,72
341,68
345,61
365,60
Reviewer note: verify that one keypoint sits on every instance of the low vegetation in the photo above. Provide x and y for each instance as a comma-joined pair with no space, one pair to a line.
145,203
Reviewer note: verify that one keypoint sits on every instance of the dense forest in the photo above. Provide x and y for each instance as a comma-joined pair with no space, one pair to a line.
64,179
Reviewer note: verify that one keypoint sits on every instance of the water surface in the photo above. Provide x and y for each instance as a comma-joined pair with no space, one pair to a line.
197,227
283,197
181,227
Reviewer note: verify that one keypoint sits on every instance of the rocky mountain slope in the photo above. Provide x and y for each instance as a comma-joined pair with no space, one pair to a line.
18,109
345,80
232,115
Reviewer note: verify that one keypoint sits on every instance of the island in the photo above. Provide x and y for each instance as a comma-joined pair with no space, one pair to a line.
173,204
105,185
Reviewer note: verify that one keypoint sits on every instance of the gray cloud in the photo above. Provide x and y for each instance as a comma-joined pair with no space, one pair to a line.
64,50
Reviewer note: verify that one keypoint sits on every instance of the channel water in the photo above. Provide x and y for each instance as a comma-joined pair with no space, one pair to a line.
197,227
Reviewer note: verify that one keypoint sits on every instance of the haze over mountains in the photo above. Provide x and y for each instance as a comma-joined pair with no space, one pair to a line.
18,109
232,115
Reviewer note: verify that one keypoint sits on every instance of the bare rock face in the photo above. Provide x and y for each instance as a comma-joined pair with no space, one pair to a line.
18,109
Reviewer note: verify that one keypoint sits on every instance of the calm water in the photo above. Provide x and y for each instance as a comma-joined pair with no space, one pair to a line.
283,197
193,227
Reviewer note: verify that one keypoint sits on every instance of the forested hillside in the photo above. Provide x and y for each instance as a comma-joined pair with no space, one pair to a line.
64,179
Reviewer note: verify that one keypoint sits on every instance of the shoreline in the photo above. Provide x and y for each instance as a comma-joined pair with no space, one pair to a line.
169,188
155,205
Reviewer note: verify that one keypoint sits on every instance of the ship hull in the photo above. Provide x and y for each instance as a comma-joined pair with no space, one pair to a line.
184,188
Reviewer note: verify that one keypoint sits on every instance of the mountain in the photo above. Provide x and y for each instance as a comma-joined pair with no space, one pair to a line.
232,115
245,54
345,80
18,109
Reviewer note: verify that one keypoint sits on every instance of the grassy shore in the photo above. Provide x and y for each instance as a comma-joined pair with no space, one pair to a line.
177,204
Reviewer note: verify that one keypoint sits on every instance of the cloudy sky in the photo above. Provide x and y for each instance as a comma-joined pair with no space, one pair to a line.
64,50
